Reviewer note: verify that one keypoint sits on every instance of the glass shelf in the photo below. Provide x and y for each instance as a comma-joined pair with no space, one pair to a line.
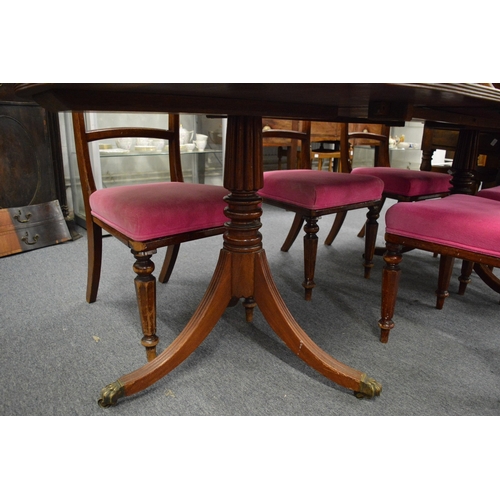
114,166
115,154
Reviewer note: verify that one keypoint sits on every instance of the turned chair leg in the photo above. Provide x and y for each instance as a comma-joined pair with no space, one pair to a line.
94,242
169,263
445,269
310,252
145,287
390,285
362,231
464,277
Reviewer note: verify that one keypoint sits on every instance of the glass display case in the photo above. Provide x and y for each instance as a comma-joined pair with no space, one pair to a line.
118,163
404,149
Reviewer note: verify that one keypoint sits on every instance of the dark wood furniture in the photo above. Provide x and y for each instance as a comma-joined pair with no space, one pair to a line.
242,270
399,184
139,204
287,145
32,227
445,136
31,175
320,195
321,132
458,226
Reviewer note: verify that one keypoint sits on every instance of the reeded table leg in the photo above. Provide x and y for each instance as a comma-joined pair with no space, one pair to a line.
242,272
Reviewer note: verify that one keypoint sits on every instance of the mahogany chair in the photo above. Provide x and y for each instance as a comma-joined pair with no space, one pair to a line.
312,194
487,273
287,145
492,193
326,134
399,184
458,226
320,132
145,217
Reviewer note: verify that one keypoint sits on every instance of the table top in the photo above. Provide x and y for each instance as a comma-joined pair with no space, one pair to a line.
469,104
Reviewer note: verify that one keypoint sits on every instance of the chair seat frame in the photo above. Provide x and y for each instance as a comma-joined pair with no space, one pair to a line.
393,256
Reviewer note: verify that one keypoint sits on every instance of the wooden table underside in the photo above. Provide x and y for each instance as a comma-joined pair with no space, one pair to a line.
242,271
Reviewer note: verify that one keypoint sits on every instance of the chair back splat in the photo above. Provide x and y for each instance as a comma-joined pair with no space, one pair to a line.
145,217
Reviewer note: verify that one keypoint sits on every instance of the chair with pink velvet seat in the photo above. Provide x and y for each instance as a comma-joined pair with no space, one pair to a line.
492,193
145,217
311,194
399,184
458,226
487,273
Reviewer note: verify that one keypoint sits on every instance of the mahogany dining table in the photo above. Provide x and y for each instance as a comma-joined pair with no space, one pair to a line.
242,271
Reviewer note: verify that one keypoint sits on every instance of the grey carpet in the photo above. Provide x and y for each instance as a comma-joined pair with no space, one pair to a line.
57,351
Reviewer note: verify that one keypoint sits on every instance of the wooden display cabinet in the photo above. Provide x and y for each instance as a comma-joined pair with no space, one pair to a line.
31,174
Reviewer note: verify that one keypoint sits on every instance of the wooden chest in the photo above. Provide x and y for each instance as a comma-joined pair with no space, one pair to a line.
31,227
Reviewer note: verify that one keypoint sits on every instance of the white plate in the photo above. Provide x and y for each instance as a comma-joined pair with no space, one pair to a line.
114,151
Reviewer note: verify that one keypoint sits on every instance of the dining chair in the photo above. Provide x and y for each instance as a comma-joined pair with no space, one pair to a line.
311,194
322,133
287,147
487,273
492,193
401,185
457,226
145,217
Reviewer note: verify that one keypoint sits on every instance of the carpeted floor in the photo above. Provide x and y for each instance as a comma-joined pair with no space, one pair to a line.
57,351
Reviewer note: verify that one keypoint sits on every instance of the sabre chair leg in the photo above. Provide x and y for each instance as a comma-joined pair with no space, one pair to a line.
371,237
169,263
336,226
94,243
297,224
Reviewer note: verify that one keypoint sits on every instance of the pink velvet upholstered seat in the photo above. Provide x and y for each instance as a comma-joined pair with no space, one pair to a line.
319,190
148,211
408,183
145,217
312,194
400,184
490,193
457,226
461,221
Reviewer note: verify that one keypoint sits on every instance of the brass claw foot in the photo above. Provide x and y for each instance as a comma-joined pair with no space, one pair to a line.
369,387
110,394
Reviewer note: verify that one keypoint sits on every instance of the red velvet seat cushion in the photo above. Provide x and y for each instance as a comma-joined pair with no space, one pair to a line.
491,193
404,182
316,190
148,211
461,221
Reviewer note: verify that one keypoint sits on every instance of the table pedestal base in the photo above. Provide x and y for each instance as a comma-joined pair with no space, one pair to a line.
242,272
217,297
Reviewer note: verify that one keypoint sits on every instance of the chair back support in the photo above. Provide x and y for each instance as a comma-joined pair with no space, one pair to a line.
303,134
84,137
326,132
378,140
